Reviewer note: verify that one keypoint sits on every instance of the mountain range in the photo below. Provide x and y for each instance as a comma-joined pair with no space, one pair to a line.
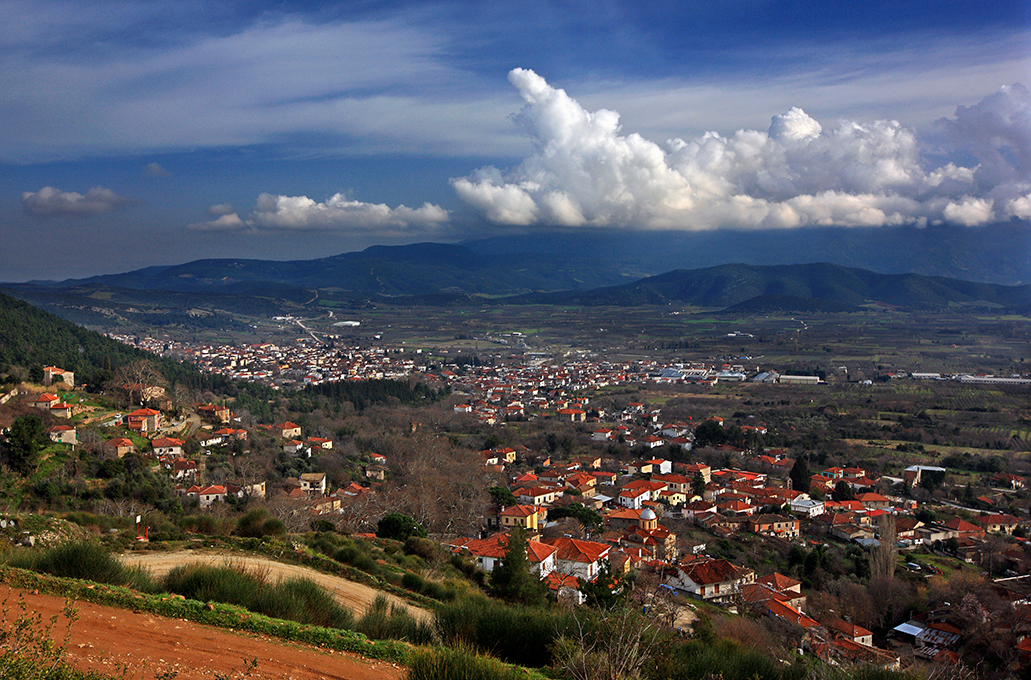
803,270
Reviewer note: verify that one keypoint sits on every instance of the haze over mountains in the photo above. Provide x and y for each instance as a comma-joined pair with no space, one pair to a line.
507,265
937,267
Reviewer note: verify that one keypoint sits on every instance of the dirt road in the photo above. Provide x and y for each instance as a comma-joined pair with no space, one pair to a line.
355,596
140,646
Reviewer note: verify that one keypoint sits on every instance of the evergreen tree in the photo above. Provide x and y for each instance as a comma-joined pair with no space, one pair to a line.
399,527
26,440
589,519
512,579
502,497
698,484
843,492
801,478
608,589
710,433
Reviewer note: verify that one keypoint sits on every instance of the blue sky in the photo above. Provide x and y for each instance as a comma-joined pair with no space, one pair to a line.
140,133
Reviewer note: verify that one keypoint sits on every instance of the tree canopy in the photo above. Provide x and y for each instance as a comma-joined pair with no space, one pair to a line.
512,579
27,438
801,478
399,527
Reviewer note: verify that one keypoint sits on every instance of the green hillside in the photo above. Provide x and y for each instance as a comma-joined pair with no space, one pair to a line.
732,284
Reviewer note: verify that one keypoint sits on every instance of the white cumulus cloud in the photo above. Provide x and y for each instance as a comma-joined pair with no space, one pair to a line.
225,222
220,209
51,202
586,170
338,212
273,212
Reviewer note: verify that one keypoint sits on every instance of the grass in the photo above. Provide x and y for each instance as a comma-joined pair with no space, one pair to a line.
516,634
385,622
460,663
296,599
84,560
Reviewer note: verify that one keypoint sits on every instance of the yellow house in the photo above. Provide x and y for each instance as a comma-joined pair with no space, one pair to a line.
528,517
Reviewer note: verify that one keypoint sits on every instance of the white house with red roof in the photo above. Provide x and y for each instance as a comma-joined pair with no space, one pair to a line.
120,446
63,434
490,552
539,495
582,559
633,497
287,430
167,446
709,579
144,420
45,401
207,495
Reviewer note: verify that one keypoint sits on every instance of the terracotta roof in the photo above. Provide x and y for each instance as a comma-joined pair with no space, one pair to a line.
575,550
849,629
779,581
706,571
790,614
520,511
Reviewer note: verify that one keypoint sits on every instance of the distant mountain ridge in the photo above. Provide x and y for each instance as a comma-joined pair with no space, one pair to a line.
583,260
777,286
572,268
416,269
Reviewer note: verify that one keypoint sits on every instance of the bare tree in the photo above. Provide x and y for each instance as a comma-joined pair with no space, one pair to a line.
884,557
182,397
617,648
137,381
661,603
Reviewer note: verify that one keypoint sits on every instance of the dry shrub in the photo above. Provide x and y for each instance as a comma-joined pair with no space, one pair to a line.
749,633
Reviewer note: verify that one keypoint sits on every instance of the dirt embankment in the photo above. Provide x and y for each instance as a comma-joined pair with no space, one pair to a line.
355,596
139,646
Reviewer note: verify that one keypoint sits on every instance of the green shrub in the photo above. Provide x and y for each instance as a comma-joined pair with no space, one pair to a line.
167,531
297,599
385,622
304,601
206,524
516,634
325,543
322,525
695,660
426,548
413,582
399,527
460,663
22,558
349,554
83,560
257,524
438,591
208,583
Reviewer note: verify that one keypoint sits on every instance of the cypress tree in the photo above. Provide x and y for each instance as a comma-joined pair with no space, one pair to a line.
512,579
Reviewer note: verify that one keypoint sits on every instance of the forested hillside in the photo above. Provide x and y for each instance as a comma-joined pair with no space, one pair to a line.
30,337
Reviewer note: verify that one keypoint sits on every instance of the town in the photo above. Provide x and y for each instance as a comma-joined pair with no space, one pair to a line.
626,482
